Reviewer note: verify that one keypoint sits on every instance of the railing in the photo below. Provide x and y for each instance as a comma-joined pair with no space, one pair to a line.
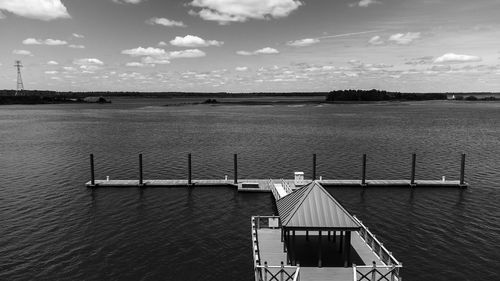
376,273
376,246
269,272
273,189
286,186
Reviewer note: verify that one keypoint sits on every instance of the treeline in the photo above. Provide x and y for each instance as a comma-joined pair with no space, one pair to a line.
36,99
377,95
70,94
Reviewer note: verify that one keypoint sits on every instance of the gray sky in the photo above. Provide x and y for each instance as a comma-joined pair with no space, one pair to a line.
251,45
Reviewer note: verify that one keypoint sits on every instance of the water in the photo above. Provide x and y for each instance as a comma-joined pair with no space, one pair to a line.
53,228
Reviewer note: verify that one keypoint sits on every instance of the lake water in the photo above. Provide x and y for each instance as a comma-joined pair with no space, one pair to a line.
53,228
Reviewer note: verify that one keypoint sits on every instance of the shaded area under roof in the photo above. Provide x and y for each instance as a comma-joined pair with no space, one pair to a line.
313,207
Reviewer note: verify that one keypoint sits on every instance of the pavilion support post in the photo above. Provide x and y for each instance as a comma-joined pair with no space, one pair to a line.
92,175
334,236
363,171
413,165
189,169
347,249
329,236
462,170
140,170
314,167
320,262
307,235
341,241
235,168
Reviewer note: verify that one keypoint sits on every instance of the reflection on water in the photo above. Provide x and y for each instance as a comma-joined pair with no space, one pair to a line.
55,228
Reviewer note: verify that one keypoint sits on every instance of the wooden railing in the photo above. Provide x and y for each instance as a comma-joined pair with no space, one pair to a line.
265,272
286,186
376,273
376,246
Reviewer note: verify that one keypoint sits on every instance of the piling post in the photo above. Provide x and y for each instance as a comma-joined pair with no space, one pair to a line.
363,171
235,168
140,169
92,175
413,164
314,167
189,169
462,170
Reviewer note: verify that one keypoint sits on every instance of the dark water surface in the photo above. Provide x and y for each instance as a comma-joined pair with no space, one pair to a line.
53,228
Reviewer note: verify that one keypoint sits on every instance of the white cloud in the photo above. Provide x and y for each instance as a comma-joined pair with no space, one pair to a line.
303,42
404,39
22,52
76,35
191,53
77,46
51,72
226,11
155,60
52,62
88,61
241,68
165,22
162,43
55,42
364,3
127,1
36,9
140,51
50,42
454,58
263,51
194,41
69,68
376,40
135,64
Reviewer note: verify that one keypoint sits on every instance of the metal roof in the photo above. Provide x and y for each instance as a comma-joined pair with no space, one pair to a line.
313,207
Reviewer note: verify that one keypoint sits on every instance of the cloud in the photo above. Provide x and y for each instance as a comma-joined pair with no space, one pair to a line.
227,11
404,39
376,40
127,1
52,62
51,72
155,60
22,52
194,41
364,3
2,16
162,43
165,22
77,46
76,35
50,42
303,42
88,61
241,68
263,51
140,51
454,58
191,53
135,64
36,9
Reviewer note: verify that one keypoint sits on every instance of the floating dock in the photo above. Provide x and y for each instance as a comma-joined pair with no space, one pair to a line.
264,185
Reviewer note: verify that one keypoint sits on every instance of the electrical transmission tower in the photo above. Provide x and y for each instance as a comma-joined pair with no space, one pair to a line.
20,86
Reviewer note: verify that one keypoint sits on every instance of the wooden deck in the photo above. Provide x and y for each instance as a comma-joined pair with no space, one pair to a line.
271,250
262,185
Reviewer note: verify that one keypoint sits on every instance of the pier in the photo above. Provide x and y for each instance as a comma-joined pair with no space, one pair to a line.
264,185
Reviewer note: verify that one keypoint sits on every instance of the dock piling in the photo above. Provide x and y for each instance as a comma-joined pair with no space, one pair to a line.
140,169
314,167
363,171
462,170
413,164
189,169
235,168
92,175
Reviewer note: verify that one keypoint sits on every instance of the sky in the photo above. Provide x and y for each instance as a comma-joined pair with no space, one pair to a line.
251,45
